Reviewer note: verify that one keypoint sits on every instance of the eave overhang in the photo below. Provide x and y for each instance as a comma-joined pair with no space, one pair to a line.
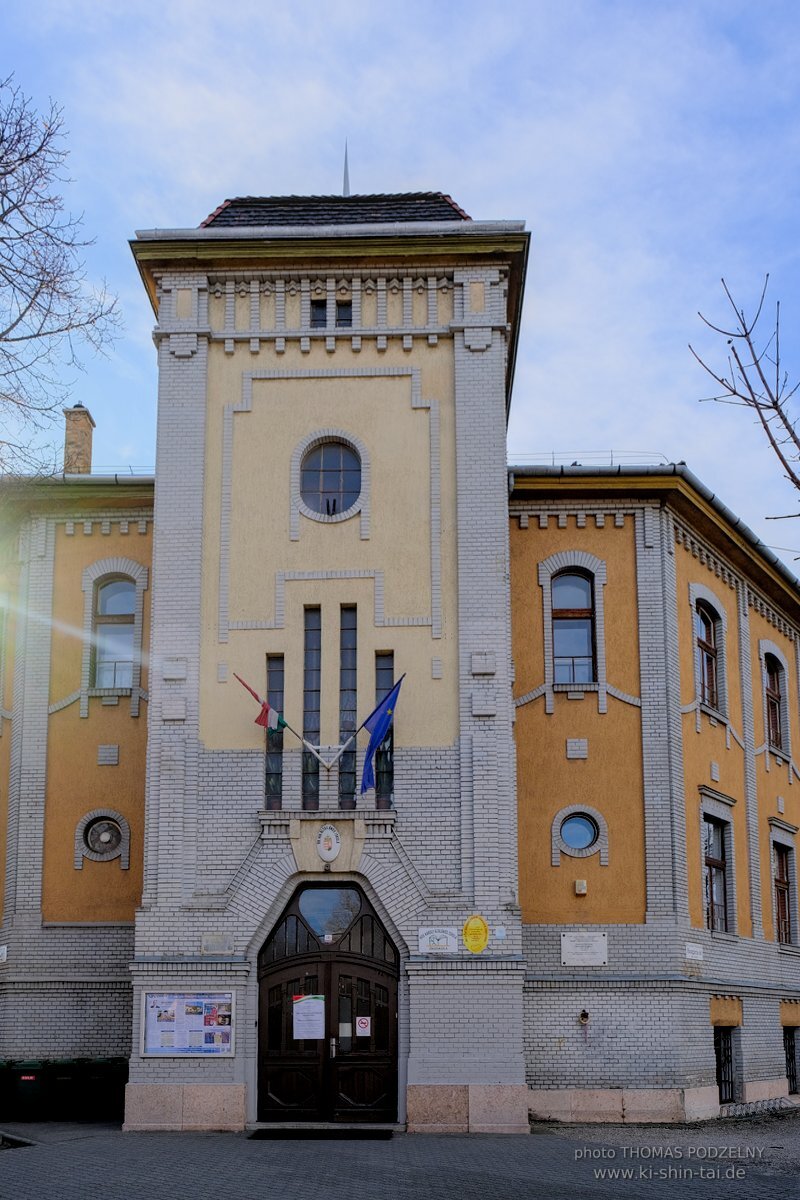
677,488
440,243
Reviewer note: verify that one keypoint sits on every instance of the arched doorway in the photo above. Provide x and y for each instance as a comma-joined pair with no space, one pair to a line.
327,1026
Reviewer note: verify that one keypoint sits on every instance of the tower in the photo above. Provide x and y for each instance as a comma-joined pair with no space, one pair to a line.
331,515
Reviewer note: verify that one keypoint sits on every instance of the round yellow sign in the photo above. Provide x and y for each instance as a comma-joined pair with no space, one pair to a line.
475,934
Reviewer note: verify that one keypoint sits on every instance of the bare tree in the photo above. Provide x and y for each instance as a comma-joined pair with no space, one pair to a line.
48,312
755,379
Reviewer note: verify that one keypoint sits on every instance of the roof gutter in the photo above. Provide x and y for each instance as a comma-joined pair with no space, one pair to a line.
672,470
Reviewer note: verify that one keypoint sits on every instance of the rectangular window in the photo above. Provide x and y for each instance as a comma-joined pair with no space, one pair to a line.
783,918
319,314
774,701
273,784
384,755
572,599
348,638
114,632
312,664
790,1050
723,1052
716,898
344,314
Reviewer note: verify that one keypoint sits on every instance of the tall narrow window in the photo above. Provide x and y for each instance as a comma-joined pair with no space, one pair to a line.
384,756
707,622
790,1050
573,629
114,619
723,1053
274,776
716,900
783,918
312,663
348,637
774,699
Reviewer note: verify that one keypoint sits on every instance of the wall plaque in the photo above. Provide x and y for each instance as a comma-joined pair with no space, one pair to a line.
438,939
581,948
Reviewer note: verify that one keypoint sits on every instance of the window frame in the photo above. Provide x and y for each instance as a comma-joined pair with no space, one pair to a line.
94,576
348,703
384,755
703,601
558,846
728,1045
708,652
775,701
319,471
715,870
574,615
717,807
317,314
298,506
577,562
312,716
101,620
273,763
783,839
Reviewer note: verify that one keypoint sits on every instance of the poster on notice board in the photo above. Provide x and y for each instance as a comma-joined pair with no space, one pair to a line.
176,1024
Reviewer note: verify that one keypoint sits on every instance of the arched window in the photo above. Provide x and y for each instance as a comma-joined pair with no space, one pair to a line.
114,632
572,596
773,694
707,645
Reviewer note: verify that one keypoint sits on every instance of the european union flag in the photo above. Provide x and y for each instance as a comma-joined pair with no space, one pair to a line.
377,723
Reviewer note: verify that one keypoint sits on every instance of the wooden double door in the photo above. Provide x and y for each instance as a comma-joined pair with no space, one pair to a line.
328,1011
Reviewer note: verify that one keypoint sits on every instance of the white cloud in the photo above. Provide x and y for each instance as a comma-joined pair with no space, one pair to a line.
650,148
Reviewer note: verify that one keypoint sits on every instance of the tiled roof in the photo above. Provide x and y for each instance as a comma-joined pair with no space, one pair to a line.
255,211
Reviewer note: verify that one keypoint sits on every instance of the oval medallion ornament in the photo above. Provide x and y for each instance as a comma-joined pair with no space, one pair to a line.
475,934
329,843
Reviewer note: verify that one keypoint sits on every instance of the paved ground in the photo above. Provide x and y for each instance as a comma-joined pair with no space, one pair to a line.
750,1159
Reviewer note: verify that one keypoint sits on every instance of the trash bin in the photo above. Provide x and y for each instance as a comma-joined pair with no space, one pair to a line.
102,1089
63,1086
28,1092
5,1089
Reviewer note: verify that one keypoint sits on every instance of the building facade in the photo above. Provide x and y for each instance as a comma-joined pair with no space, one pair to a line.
572,889
656,654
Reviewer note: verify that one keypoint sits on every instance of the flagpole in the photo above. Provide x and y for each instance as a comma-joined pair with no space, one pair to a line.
307,745
353,736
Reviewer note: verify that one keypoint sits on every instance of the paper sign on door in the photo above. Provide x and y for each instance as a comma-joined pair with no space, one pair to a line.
308,1017
363,1026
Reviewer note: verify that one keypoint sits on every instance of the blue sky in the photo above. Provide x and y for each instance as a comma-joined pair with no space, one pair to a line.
650,148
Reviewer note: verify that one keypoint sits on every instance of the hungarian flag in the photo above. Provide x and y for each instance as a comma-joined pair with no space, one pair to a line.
268,718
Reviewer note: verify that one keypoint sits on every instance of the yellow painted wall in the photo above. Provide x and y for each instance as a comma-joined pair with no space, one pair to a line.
378,412
611,779
711,745
790,1012
100,891
725,1010
772,771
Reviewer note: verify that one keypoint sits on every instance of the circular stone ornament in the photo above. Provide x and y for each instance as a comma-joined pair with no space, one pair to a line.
103,836
329,843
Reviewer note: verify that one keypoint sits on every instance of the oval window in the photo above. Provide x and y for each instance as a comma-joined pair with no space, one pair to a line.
330,478
330,910
579,831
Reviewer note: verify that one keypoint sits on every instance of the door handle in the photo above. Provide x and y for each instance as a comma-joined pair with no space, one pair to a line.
333,1047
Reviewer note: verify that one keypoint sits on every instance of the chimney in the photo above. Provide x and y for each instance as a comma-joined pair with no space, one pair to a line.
78,440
